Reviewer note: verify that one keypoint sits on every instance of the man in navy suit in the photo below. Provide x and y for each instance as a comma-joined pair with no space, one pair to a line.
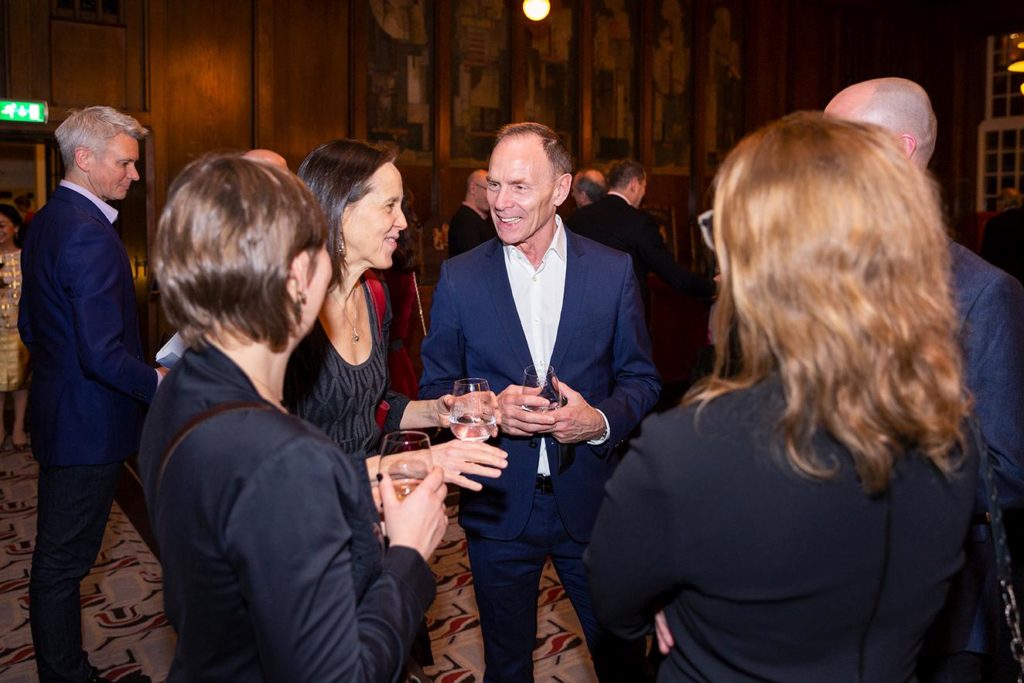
990,304
539,293
89,382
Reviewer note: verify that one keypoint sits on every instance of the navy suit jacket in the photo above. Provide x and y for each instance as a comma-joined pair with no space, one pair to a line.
613,222
990,309
79,322
602,350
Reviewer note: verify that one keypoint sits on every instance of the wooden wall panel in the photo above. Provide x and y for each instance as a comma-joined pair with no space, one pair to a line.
207,80
87,64
307,95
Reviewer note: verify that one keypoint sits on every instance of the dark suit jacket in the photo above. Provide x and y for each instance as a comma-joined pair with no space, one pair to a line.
79,322
613,222
602,351
1003,243
466,230
990,307
764,574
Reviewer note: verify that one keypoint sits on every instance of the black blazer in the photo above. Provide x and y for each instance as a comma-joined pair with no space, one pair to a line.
613,222
254,519
764,574
467,230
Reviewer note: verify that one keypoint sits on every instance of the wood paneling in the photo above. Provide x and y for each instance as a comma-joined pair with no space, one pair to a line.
88,64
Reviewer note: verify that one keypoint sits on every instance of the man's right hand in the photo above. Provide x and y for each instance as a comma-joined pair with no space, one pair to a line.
516,421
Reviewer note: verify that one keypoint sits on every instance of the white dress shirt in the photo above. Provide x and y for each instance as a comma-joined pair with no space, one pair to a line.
538,294
108,211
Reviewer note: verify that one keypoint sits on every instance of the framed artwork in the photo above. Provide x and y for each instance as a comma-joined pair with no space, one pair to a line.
552,84
616,37
671,86
723,95
400,83
480,90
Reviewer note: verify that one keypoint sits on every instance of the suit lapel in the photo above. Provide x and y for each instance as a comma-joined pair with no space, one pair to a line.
504,306
572,298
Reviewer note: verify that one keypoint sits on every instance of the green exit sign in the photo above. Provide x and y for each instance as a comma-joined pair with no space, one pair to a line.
23,112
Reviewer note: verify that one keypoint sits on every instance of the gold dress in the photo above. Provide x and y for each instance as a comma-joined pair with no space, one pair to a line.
13,354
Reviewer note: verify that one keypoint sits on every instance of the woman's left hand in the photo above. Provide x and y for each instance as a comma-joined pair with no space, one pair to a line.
458,458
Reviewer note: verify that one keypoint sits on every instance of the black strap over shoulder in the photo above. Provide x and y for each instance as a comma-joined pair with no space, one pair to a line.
195,421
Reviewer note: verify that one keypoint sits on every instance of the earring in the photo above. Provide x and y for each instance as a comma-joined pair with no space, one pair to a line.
341,244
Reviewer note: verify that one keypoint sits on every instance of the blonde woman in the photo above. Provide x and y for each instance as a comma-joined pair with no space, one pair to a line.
801,515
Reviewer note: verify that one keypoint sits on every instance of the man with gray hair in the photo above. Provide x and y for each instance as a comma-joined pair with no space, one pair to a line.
90,384
990,306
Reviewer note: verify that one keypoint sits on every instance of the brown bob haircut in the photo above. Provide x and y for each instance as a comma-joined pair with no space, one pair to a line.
224,248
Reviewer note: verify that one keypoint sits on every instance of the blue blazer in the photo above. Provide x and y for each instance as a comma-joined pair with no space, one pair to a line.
602,350
990,309
78,319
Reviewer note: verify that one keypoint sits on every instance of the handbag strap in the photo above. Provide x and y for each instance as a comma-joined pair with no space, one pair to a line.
376,288
195,421
1011,614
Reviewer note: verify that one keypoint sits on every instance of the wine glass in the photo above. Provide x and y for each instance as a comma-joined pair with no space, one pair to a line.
406,472
539,380
472,416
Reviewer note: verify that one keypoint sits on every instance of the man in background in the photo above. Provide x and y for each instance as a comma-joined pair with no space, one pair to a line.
471,225
617,221
990,305
1003,242
588,186
90,384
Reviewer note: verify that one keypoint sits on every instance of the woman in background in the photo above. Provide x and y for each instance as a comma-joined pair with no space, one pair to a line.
799,518
257,514
13,354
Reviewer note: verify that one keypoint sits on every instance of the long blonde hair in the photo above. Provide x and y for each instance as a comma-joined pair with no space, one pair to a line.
836,278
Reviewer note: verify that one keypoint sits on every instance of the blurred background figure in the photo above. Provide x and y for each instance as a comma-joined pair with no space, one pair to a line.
405,304
267,156
821,469
24,204
471,225
1003,242
256,512
13,354
588,186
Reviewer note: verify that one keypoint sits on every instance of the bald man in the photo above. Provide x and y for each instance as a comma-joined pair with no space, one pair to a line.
990,305
588,186
471,225
267,156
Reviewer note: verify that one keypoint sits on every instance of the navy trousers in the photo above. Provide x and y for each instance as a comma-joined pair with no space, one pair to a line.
74,504
506,578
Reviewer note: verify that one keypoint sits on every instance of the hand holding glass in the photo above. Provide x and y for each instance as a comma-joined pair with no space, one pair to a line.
406,473
539,380
472,415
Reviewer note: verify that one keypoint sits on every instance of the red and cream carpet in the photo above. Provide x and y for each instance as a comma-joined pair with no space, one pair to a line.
125,632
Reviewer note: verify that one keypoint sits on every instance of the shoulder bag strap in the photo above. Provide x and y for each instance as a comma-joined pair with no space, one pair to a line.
197,420
1010,611
377,295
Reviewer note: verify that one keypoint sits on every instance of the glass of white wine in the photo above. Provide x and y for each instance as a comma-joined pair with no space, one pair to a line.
406,472
472,416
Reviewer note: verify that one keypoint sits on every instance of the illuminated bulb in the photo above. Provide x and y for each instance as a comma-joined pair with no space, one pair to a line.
1022,88
1017,67
535,10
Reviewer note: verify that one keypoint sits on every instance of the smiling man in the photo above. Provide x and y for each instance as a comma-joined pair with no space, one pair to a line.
540,294
89,381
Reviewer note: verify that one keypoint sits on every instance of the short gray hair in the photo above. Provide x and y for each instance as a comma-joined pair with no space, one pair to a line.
91,128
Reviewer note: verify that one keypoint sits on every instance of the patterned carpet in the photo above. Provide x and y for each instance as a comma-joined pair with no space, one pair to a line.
125,632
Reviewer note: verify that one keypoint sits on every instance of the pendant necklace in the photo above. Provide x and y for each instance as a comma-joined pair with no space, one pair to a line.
344,312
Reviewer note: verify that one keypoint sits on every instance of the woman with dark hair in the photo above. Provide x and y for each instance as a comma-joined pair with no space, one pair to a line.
801,516
13,354
338,377
259,517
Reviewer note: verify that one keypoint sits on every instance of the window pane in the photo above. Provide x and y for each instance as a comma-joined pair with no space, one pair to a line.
990,185
991,140
616,34
480,90
990,163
